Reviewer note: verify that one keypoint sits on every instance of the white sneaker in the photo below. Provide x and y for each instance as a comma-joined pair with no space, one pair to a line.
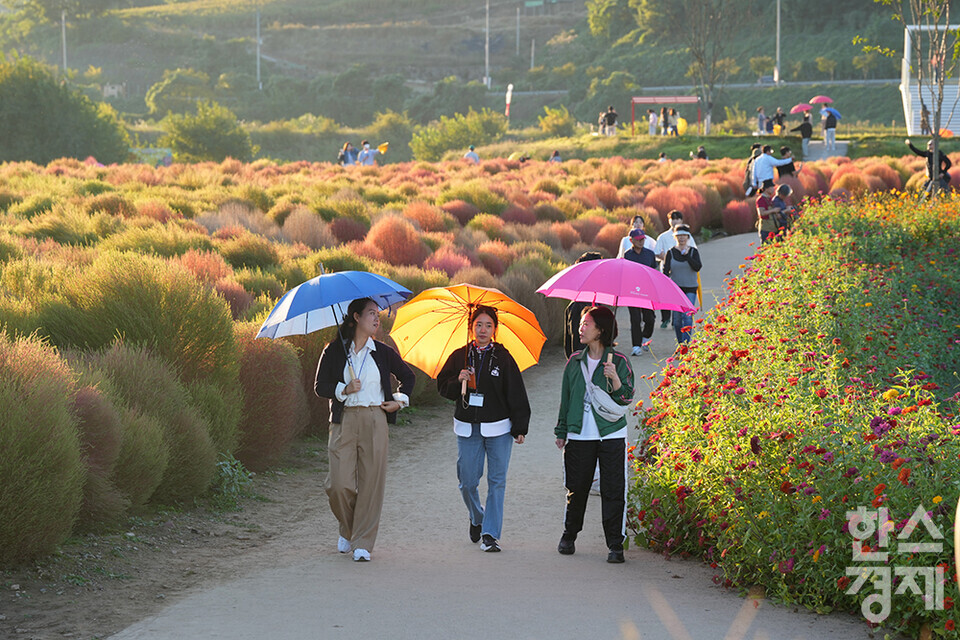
361,555
343,545
636,351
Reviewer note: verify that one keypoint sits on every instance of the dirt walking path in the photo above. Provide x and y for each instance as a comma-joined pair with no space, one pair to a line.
427,581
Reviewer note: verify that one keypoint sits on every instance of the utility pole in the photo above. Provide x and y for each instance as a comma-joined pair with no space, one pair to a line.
259,83
486,50
63,38
518,32
776,69
533,48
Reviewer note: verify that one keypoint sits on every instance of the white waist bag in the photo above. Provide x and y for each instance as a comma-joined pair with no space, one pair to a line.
602,403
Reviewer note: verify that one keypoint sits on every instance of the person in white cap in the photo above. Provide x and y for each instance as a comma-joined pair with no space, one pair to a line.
367,155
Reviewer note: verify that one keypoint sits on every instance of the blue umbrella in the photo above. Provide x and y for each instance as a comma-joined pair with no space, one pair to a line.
322,302
836,114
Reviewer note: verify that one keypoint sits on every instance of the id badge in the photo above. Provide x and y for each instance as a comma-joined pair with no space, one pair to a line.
476,400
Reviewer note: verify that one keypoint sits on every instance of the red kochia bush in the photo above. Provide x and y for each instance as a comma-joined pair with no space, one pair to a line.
518,214
588,226
274,402
566,233
462,211
496,256
447,259
739,217
207,266
348,229
427,216
101,432
236,296
608,238
686,200
398,241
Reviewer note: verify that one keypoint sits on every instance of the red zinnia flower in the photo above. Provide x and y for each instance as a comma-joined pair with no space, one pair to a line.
904,475
877,490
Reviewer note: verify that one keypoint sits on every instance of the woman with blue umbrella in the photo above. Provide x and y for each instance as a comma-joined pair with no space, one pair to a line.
354,373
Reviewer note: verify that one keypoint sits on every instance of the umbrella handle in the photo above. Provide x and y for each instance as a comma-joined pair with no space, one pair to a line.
463,387
353,374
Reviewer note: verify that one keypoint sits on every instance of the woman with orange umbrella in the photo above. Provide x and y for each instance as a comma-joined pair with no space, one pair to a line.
492,413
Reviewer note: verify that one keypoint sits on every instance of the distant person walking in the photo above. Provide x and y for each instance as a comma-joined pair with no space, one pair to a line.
664,121
673,120
777,118
767,213
924,120
682,264
555,156
651,122
829,118
626,242
641,320
471,156
666,241
806,132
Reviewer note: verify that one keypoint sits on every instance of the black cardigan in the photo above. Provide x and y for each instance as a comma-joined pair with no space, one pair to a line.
330,369
504,393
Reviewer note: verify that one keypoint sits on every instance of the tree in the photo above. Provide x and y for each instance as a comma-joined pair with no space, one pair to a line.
826,65
178,91
609,19
44,119
52,9
212,134
933,54
866,62
762,65
704,26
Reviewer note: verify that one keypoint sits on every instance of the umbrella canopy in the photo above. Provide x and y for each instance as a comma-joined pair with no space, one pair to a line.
618,283
322,302
821,100
946,133
435,323
836,114
801,107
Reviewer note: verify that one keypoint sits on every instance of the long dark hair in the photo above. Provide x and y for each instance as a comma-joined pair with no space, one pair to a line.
348,329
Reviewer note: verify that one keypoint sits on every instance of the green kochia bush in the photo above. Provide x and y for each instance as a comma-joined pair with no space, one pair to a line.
151,302
41,469
148,384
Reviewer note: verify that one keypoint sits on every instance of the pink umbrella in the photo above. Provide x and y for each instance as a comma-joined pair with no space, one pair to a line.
803,106
618,283
821,100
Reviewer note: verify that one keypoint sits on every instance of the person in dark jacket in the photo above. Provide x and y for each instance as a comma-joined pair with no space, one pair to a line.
788,169
682,264
943,176
806,132
641,320
571,315
492,413
587,438
354,373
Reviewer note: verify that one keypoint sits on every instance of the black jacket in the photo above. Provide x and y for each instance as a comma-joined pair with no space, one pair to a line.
500,382
945,162
805,129
571,326
330,373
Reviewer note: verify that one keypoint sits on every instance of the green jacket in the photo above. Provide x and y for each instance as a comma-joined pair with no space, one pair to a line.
574,388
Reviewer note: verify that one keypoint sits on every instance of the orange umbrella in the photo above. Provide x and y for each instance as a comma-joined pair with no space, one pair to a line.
434,324
946,133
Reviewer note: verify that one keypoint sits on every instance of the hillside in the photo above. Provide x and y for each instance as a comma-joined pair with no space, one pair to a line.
347,59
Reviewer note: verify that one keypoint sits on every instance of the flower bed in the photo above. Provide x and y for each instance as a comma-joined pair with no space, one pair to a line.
824,384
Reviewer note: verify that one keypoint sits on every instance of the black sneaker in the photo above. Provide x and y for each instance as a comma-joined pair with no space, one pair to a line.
566,547
489,543
475,532
615,556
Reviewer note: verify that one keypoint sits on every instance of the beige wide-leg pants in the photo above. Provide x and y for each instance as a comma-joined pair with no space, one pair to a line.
358,471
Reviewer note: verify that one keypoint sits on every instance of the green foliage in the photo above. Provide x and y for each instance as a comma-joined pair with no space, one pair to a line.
762,65
212,134
44,119
450,95
610,19
230,485
161,240
557,122
150,302
179,91
41,469
431,141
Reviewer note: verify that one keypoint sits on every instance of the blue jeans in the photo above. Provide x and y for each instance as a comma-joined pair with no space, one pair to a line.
470,455
681,320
